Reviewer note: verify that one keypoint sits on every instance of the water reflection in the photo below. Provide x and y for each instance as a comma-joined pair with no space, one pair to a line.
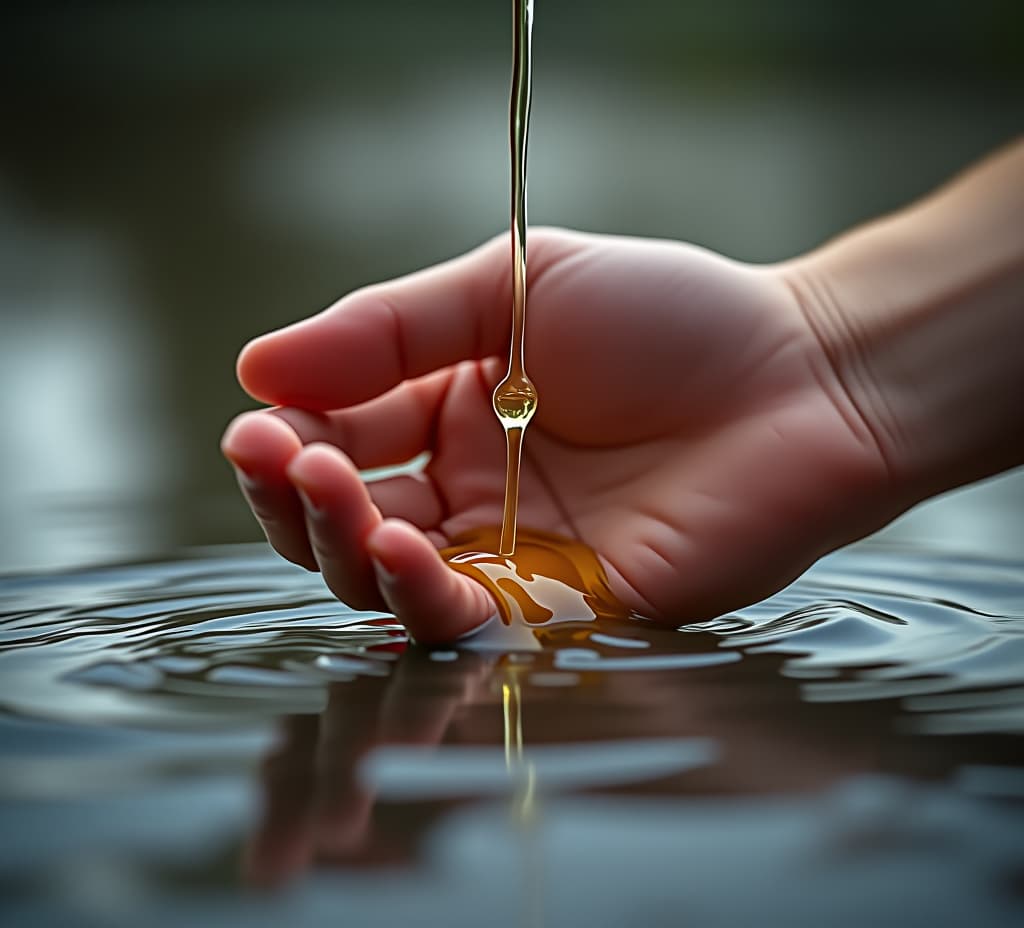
431,733
365,783
316,806
238,635
856,728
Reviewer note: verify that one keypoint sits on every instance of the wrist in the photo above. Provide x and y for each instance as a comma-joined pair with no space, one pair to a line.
921,318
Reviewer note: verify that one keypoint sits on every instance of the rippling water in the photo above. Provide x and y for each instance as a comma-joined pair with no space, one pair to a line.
175,734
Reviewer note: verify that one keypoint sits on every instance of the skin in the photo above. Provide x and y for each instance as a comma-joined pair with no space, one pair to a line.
709,428
689,429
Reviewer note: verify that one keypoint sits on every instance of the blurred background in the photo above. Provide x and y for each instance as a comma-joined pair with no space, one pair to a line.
178,177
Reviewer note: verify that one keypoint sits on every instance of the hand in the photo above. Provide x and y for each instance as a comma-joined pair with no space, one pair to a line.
690,429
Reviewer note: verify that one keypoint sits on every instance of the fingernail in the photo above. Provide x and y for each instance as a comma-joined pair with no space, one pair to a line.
244,477
312,509
385,578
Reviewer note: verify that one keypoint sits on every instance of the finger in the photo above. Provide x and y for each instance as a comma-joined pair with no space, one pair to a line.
375,338
260,447
391,429
339,517
411,498
434,603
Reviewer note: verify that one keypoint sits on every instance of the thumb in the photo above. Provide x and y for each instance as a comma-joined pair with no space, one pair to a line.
374,338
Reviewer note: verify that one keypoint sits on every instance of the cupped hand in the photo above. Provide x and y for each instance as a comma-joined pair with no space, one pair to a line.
690,428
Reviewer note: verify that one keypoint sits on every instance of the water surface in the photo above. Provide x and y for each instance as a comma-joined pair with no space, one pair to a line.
177,737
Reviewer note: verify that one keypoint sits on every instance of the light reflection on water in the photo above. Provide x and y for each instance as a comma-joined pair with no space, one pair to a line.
859,724
215,634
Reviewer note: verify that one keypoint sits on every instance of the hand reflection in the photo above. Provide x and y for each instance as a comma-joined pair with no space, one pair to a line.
596,729
314,805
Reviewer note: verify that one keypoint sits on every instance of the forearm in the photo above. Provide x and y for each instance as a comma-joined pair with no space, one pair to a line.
921,314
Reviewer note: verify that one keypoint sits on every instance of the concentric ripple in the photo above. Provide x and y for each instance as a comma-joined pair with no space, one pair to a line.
237,631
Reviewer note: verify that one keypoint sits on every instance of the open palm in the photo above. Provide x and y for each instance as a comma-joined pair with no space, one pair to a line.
690,429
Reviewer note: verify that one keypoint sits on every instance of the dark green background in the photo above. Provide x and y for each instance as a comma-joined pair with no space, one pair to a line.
175,178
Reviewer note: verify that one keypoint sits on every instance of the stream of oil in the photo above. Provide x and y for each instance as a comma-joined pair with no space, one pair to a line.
535,576
515,398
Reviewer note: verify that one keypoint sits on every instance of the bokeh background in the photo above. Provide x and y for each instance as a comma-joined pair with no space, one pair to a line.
177,177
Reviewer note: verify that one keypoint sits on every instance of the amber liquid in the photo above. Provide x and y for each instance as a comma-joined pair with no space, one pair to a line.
550,578
515,398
